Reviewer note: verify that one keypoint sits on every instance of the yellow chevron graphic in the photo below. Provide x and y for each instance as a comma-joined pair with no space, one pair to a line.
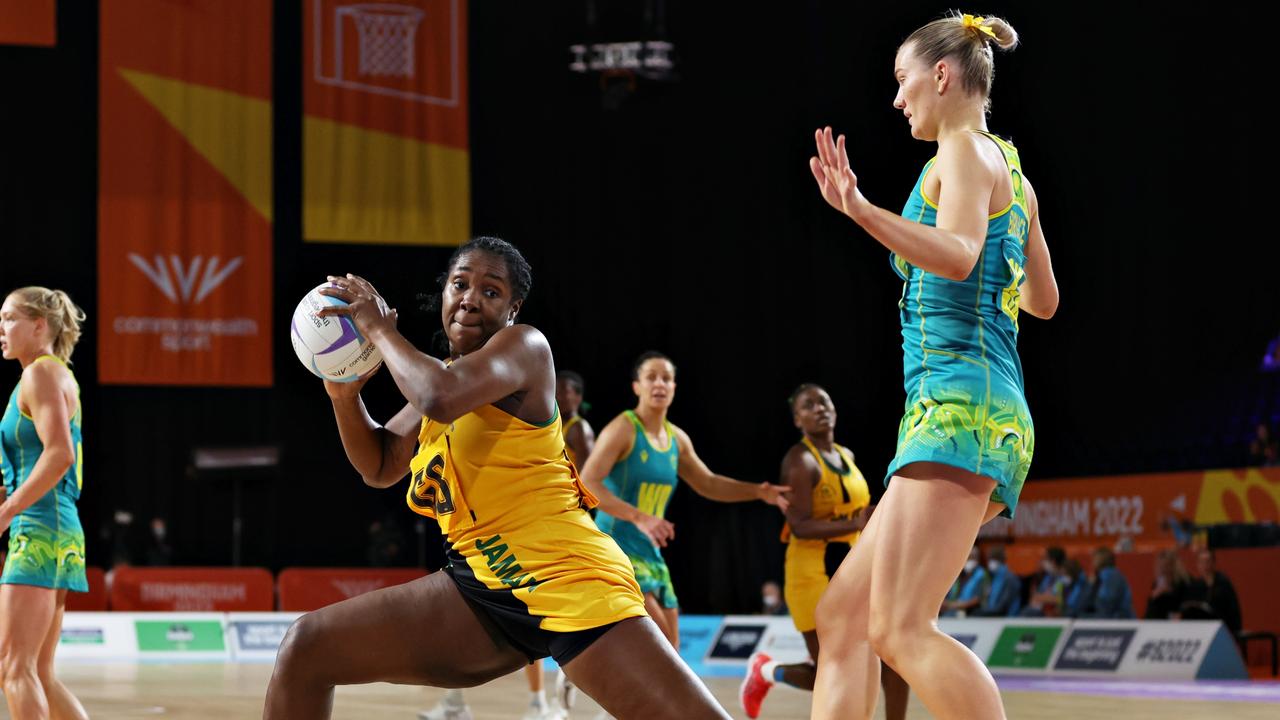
231,131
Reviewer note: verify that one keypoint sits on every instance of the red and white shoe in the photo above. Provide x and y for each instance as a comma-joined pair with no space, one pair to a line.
755,685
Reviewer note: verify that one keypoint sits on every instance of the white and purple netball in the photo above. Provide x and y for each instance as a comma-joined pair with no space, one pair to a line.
330,347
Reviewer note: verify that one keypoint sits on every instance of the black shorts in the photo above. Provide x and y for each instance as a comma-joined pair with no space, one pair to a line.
509,623
834,555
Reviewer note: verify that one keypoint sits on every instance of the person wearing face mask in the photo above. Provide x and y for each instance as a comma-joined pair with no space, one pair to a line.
771,602
1005,595
1078,590
830,504
1050,592
969,589
159,551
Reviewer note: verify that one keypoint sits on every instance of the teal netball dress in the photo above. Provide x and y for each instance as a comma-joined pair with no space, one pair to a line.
645,478
965,403
46,542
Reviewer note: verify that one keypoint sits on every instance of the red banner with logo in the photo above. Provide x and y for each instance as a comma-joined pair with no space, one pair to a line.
1101,510
29,22
307,589
385,150
184,206
192,589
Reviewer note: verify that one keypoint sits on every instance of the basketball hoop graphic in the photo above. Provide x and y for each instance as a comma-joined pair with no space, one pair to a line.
378,48
386,35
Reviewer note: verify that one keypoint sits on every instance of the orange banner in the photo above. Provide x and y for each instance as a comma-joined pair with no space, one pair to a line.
1101,510
307,589
385,150
184,205
192,589
29,22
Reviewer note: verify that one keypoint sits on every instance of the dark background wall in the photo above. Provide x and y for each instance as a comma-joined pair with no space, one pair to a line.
681,216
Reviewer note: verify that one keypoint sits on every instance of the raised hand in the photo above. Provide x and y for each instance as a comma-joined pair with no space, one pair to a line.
836,181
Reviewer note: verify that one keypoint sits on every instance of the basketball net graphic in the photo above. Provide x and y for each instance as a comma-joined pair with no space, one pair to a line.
410,50
386,34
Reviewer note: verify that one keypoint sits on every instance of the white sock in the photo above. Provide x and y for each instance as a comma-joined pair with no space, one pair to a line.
767,669
453,698
538,699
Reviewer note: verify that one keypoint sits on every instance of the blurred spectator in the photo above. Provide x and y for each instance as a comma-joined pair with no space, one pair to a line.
1212,596
771,602
1170,589
1109,593
1004,596
1078,589
1263,448
158,551
121,536
1050,590
969,590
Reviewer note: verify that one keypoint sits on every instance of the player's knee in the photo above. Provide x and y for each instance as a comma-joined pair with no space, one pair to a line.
840,634
883,630
894,635
16,670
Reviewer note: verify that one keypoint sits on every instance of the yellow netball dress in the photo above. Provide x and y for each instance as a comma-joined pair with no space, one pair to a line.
839,494
520,544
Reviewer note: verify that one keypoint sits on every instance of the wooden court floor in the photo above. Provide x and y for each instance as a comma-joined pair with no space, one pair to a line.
226,691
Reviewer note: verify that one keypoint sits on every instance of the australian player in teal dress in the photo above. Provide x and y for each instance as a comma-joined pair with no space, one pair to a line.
635,466
970,251
40,457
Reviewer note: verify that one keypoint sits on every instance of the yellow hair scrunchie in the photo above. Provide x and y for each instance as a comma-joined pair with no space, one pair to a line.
970,22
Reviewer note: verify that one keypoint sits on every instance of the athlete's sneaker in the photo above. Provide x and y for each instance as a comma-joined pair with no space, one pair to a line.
549,711
452,707
443,712
755,685
566,692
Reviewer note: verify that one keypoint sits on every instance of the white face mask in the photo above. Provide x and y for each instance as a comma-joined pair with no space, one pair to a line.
993,565
970,566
